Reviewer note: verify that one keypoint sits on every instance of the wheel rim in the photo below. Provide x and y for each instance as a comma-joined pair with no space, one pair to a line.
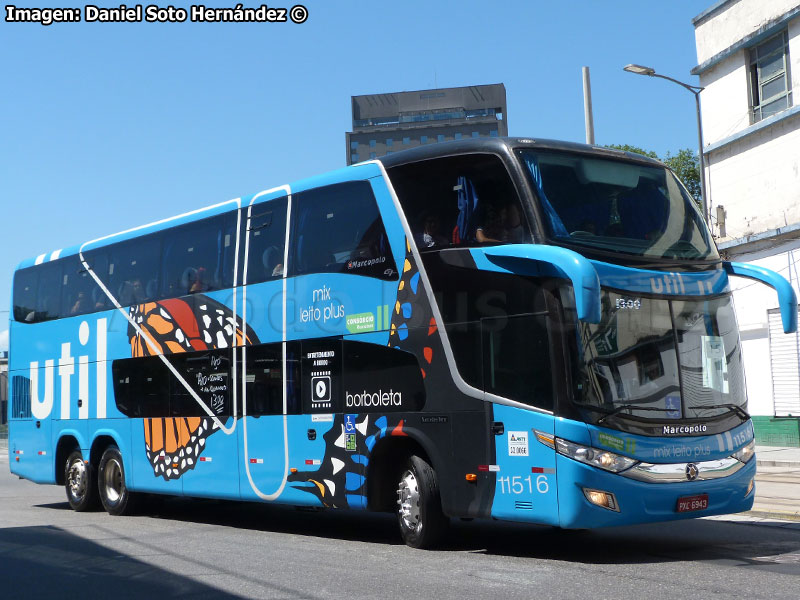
76,479
113,484
408,501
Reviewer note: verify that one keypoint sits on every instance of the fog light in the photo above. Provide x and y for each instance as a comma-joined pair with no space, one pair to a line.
750,487
602,499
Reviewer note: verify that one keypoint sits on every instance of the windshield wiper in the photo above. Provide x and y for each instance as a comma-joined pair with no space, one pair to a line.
619,409
740,412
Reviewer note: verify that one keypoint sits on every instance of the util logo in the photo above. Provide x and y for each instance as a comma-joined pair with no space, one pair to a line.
41,407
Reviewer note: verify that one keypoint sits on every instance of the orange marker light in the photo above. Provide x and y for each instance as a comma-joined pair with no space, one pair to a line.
293,470
471,477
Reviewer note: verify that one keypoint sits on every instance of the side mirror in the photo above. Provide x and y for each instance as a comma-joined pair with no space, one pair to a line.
548,260
787,299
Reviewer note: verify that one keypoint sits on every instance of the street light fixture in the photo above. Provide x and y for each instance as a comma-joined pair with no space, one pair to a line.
695,89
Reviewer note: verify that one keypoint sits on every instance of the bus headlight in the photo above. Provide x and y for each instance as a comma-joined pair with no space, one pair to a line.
602,459
745,453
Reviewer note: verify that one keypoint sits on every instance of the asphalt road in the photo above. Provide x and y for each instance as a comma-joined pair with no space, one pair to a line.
208,549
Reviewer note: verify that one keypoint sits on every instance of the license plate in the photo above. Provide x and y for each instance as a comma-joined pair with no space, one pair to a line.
690,503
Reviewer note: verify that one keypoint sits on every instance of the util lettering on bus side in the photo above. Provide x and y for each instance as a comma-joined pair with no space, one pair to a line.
42,402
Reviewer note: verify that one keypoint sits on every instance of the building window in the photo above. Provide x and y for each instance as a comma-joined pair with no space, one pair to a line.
372,155
493,133
440,138
354,158
458,136
406,141
423,139
353,145
372,143
770,91
475,134
389,142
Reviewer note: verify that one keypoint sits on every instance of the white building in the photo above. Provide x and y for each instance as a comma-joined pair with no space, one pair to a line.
748,54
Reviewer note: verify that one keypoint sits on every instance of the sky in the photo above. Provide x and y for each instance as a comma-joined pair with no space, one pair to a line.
107,126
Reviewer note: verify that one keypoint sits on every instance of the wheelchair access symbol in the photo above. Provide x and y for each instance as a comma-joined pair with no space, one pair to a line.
350,433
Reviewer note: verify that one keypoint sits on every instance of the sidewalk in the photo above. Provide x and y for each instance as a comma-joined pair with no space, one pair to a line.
777,456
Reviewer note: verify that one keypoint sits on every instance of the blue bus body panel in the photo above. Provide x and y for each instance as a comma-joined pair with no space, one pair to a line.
525,488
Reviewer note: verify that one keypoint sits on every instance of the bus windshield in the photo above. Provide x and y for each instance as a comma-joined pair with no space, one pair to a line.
662,359
618,206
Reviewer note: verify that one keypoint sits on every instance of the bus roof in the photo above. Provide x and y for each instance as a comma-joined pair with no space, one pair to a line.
504,145
494,145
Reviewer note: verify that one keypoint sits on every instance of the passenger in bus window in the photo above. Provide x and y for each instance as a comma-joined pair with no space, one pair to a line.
81,304
513,231
199,284
132,292
430,236
490,227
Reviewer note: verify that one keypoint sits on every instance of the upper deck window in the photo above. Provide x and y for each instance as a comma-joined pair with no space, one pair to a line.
465,200
617,206
338,229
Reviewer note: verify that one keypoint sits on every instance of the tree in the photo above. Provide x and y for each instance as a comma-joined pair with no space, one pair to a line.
685,164
687,167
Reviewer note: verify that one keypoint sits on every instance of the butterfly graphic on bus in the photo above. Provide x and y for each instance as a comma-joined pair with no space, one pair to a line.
174,444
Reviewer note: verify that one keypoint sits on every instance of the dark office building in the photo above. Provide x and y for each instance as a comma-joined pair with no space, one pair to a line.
386,123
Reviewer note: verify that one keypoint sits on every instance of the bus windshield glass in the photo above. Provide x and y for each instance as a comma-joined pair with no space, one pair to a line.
662,359
618,206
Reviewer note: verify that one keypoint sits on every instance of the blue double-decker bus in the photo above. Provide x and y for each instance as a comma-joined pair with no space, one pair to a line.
513,329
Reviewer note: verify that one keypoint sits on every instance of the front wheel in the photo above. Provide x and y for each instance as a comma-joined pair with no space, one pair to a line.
419,513
117,499
80,482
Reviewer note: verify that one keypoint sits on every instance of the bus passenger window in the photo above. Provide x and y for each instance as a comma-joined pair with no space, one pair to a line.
338,229
193,257
25,282
266,240
48,298
81,293
264,380
133,270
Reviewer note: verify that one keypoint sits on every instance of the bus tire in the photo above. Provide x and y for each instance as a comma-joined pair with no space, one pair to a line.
80,482
419,505
117,499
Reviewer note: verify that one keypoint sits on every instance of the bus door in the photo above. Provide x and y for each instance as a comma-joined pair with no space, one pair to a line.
517,366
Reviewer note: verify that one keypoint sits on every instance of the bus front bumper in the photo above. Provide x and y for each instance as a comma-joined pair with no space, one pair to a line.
644,502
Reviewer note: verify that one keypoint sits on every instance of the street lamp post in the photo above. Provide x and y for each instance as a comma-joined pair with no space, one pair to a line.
695,89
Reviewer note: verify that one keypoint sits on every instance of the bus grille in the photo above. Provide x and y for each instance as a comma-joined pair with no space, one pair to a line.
20,397
521,505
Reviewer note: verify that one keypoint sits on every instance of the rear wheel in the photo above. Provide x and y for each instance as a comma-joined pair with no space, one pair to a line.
419,505
80,482
117,499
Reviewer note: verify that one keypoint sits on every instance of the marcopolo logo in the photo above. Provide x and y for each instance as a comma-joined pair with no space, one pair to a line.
379,398
684,429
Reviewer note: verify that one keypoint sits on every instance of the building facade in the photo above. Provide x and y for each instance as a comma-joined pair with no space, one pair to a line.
386,123
748,54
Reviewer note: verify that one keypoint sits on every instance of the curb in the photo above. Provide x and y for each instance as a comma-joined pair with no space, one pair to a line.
789,464
773,514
